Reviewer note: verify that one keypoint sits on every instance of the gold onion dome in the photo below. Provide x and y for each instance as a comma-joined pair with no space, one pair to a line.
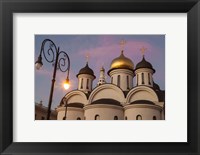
122,62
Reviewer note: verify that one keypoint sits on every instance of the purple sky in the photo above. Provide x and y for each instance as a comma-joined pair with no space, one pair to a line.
102,49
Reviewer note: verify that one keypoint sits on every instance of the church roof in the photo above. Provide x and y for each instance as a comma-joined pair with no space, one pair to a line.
86,70
76,104
107,101
156,86
142,102
144,64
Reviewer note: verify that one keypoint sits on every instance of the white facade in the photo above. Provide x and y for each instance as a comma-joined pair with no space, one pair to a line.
85,82
121,99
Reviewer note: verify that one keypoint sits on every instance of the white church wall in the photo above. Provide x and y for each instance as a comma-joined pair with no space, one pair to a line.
141,93
83,84
123,73
61,113
145,71
105,112
76,97
72,113
75,113
107,91
146,111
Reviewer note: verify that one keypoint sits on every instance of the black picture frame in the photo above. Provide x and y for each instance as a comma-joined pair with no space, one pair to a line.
8,7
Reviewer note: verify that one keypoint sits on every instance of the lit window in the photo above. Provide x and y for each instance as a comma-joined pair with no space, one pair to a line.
138,117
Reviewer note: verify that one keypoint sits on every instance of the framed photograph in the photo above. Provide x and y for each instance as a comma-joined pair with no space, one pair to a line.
71,69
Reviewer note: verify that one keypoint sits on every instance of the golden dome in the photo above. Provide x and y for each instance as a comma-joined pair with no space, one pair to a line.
122,62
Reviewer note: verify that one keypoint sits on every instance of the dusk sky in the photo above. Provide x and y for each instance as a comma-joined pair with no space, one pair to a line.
102,49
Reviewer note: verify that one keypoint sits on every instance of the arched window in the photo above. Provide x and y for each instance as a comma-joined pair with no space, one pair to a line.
138,117
87,84
115,118
118,80
142,78
127,81
97,117
154,117
81,83
126,118
149,78
78,118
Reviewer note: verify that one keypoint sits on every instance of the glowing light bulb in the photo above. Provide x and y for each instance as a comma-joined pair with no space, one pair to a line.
66,84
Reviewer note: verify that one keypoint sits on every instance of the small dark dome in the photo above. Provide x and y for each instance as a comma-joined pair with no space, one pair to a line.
142,102
86,70
107,101
144,64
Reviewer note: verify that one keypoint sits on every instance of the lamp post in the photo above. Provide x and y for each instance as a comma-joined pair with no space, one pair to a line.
58,58
65,103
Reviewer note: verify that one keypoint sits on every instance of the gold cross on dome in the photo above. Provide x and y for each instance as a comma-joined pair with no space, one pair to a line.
143,50
122,44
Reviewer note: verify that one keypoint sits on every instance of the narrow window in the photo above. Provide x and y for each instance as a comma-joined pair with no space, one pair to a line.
142,78
149,78
115,118
118,80
82,83
97,117
87,84
78,118
126,118
112,80
154,117
138,117
127,81
137,79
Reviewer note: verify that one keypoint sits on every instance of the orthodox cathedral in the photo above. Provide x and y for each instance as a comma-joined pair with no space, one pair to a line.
119,99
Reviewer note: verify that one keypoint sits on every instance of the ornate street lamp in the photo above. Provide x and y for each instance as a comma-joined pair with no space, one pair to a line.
65,103
58,58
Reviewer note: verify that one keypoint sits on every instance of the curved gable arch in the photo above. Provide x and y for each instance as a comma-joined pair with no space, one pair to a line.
141,93
76,96
109,91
